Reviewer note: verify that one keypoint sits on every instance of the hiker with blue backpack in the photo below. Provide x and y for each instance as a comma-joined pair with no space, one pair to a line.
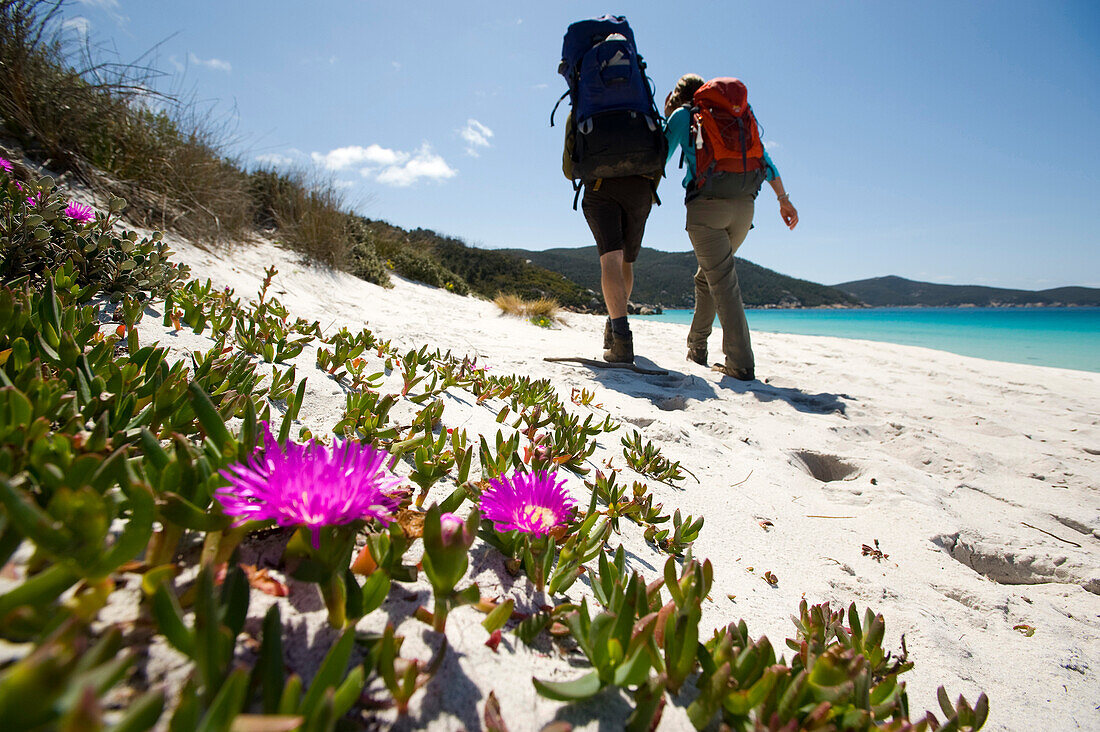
615,152
714,126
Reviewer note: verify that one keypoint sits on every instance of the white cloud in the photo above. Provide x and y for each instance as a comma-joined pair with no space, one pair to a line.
274,159
176,64
390,167
215,64
354,156
78,25
476,135
396,65
422,164
771,145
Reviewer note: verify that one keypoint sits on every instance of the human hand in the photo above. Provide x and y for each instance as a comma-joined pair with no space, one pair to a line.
788,213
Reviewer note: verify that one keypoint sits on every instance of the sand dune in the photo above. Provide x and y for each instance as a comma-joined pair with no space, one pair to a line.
978,479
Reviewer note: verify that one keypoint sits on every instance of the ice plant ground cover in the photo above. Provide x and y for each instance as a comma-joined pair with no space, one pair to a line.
535,503
312,485
125,480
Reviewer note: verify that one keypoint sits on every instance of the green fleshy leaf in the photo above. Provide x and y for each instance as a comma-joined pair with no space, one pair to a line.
582,688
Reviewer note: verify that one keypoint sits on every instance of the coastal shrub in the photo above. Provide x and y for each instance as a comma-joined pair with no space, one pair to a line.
421,267
364,259
40,231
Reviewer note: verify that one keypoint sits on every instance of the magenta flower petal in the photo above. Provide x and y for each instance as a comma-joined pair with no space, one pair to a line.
450,526
5,165
36,199
79,213
532,504
311,485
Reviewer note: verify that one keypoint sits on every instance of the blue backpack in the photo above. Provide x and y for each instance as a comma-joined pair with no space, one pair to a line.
614,128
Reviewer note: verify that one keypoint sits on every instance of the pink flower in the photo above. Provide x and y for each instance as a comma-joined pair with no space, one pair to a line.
5,165
36,199
311,485
532,504
450,526
79,213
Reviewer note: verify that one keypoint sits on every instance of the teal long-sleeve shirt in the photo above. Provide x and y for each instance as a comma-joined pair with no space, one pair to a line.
678,134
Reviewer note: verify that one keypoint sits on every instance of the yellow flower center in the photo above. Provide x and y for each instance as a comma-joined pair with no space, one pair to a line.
541,516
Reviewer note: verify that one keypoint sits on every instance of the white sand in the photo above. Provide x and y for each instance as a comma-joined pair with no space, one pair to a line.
949,457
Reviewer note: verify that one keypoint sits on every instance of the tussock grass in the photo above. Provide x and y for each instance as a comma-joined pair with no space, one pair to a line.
542,312
544,307
309,213
509,304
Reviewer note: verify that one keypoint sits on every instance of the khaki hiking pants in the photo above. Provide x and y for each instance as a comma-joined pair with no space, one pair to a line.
716,227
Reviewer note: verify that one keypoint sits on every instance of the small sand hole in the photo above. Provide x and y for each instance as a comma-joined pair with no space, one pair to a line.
824,467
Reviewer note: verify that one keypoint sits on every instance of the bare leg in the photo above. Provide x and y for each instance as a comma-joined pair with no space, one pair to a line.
613,282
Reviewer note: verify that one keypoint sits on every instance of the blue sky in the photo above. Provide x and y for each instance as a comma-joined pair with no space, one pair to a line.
953,142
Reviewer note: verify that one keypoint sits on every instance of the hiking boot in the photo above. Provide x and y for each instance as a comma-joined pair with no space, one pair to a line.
698,355
607,334
739,374
621,351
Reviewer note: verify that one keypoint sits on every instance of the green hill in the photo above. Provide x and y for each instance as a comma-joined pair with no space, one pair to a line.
899,292
667,279
437,259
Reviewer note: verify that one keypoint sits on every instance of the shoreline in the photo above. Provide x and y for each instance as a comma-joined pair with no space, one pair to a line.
996,342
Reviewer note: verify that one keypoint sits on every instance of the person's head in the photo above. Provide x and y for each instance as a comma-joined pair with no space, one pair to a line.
683,92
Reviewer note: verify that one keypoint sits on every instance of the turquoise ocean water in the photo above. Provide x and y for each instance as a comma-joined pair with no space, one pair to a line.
1064,337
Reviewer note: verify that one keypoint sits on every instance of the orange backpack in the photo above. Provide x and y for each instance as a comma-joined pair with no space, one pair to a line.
724,130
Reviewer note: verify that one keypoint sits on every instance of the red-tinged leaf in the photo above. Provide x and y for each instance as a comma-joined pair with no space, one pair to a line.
558,725
494,722
262,580
364,563
494,640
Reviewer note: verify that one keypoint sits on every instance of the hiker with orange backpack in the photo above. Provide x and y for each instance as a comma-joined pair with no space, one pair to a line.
614,152
714,126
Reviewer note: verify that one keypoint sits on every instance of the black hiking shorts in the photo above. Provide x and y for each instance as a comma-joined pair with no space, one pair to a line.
616,210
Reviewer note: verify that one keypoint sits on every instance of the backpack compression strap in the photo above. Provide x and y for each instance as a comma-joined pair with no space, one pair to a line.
555,109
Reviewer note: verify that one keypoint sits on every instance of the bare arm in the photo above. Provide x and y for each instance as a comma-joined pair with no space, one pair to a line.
786,209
